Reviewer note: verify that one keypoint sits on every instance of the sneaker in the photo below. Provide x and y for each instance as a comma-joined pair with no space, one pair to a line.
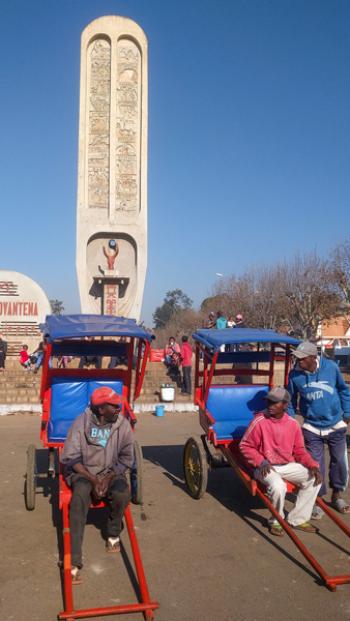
113,544
317,513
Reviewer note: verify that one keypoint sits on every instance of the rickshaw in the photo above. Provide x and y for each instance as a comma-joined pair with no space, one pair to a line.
65,393
234,370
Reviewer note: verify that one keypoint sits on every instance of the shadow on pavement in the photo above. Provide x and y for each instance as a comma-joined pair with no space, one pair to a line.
226,487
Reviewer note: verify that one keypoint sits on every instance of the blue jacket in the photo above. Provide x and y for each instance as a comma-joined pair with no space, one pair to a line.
324,395
221,323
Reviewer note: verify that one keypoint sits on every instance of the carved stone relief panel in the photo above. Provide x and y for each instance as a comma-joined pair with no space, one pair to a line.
128,117
98,109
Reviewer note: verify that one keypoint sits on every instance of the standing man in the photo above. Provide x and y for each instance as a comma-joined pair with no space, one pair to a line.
97,452
239,321
211,322
221,321
186,362
221,324
324,402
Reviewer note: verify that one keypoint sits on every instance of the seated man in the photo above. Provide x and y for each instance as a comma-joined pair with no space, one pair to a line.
87,361
273,444
96,454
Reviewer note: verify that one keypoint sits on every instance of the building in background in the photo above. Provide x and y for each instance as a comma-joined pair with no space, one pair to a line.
23,307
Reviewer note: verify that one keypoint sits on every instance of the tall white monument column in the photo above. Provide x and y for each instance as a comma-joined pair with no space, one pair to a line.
112,175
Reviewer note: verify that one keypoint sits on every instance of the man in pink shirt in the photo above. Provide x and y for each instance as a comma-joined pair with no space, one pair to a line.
273,445
186,362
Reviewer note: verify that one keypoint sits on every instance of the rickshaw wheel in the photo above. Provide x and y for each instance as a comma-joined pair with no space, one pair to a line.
195,467
29,484
136,476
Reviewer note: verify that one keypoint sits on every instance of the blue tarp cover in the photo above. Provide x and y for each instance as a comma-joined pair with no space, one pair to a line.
78,326
213,339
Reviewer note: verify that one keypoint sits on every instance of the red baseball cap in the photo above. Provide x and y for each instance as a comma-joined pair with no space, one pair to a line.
105,395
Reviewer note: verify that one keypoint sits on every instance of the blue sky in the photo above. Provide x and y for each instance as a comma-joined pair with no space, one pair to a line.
249,141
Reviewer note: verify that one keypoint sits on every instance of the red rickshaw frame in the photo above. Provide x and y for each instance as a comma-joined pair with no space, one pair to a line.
128,377
210,355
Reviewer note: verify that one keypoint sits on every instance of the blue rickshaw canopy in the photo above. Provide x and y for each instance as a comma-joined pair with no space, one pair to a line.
79,326
213,339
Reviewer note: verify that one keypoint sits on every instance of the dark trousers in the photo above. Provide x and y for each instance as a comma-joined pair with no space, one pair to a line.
338,466
117,498
90,360
186,376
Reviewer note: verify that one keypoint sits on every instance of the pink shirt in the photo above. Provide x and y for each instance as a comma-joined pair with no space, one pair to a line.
23,356
170,349
186,354
278,441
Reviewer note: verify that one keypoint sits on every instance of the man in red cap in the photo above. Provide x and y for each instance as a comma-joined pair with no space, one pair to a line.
97,452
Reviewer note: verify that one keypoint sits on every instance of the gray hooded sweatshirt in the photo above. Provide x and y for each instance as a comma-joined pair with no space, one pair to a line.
83,445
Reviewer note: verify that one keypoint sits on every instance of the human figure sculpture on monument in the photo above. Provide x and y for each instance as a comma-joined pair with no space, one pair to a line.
111,253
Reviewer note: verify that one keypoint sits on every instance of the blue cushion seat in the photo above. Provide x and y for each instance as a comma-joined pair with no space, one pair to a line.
233,408
69,398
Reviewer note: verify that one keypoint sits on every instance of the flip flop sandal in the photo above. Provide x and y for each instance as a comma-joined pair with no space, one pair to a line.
341,505
276,530
76,576
317,513
306,527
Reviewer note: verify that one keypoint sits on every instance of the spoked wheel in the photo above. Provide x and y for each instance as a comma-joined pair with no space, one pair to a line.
195,466
136,476
29,485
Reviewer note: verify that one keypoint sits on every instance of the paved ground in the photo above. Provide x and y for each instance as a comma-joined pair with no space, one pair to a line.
210,559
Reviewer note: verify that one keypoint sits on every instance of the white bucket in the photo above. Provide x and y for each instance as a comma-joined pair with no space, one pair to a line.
167,392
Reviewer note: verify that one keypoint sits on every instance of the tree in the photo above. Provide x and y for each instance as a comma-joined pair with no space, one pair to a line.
216,302
341,267
296,295
174,302
183,322
57,307
309,288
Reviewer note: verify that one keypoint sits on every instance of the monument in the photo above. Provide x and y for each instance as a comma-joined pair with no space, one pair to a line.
23,307
111,253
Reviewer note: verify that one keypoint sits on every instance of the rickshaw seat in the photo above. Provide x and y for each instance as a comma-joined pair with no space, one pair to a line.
69,398
233,407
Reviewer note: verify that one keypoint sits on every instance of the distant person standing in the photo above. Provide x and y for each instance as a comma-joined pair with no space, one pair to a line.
211,322
221,321
186,362
221,324
3,353
231,322
240,321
